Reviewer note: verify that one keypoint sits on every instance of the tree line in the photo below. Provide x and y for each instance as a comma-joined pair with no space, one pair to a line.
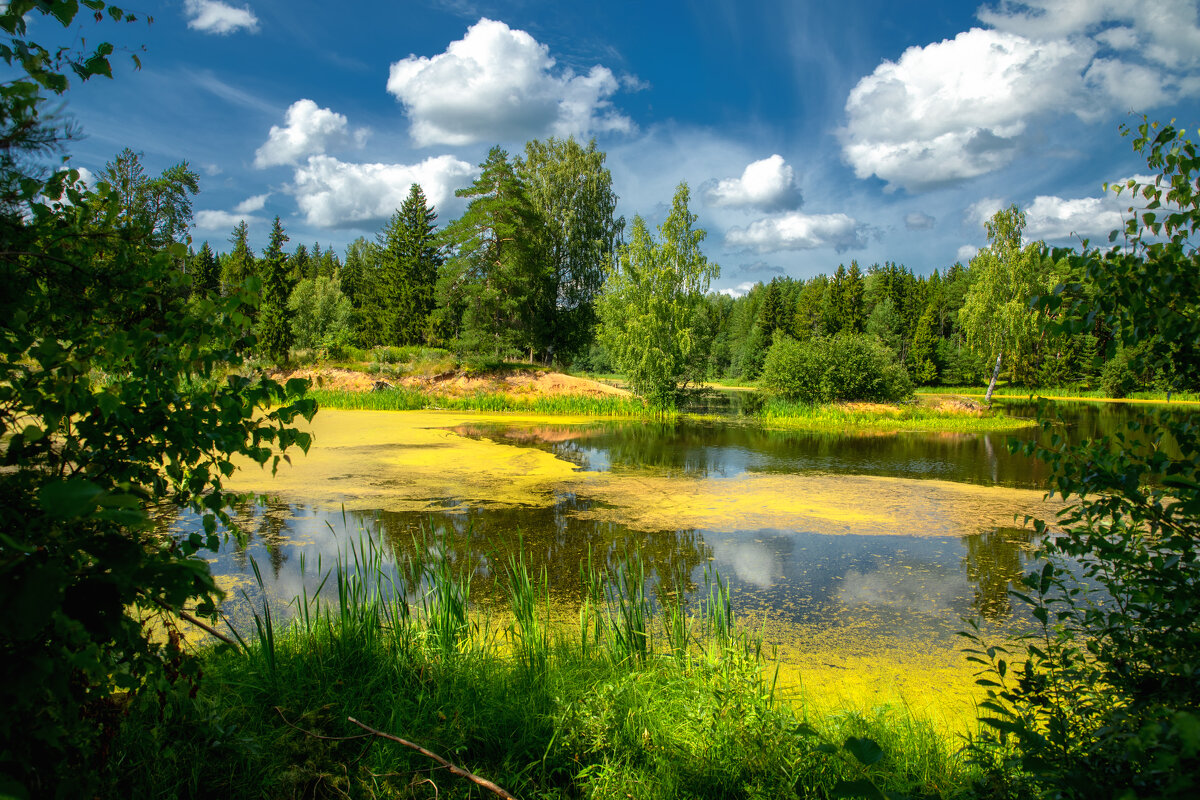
538,268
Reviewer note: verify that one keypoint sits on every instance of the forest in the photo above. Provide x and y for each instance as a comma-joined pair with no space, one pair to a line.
529,269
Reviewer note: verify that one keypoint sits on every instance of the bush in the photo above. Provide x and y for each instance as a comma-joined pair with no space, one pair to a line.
844,367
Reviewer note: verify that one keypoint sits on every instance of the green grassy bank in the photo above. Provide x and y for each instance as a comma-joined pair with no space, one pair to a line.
405,399
1065,393
773,413
884,418
631,699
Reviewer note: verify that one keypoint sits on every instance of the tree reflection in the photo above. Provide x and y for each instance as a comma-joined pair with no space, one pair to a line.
993,561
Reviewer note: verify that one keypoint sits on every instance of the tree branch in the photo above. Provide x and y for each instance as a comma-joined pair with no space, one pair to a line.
484,782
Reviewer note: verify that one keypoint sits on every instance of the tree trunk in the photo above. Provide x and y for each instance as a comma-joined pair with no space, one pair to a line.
987,398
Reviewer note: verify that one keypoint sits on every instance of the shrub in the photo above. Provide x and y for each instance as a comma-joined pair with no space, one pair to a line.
844,367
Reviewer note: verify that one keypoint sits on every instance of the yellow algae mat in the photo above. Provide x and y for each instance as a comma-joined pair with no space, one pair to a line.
414,461
410,461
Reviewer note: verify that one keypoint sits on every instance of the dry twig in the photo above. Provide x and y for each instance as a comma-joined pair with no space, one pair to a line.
484,782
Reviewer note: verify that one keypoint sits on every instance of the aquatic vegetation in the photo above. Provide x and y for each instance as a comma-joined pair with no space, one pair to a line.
777,412
408,399
627,709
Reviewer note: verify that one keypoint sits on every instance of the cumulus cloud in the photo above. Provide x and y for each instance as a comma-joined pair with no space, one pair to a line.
768,185
337,194
252,204
740,290
222,220
214,16
983,209
1051,217
963,107
797,231
1166,31
497,83
955,109
966,253
307,130
919,221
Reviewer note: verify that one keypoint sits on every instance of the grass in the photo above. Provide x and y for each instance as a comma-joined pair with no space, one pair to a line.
883,418
639,700
1071,392
406,399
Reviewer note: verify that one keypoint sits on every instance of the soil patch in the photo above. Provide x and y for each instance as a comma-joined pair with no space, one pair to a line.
456,383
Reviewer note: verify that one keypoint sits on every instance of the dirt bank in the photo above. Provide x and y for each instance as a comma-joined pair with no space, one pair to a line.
456,382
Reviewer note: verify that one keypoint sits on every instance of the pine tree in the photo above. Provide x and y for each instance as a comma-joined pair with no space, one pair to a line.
922,354
410,257
274,329
301,265
496,275
853,314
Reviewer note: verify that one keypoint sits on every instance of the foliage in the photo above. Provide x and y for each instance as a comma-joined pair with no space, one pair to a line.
112,398
1105,701
647,309
995,316
409,259
240,264
205,272
571,190
545,707
320,315
160,205
273,328
493,287
842,367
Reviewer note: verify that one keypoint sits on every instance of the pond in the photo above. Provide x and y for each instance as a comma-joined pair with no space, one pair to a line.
855,556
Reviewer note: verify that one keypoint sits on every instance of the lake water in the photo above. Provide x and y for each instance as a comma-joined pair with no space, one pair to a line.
856,556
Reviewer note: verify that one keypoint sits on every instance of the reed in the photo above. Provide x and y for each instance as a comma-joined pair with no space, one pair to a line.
609,714
784,414
407,399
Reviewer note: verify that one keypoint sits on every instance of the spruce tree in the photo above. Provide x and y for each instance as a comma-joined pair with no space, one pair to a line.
274,329
240,263
410,256
206,279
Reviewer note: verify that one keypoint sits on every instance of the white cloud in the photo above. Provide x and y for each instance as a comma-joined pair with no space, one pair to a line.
1131,86
1051,217
955,109
797,231
309,130
740,290
86,177
1166,31
214,16
768,185
966,253
982,210
252,204
335,194
221,220
919,221
497,84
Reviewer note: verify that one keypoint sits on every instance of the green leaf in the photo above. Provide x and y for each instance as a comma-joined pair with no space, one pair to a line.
858,788
865,750
71,498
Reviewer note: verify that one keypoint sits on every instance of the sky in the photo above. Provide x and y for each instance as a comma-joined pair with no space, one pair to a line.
810,133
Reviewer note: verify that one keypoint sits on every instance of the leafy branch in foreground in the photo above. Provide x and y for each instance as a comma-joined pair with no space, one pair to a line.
113,398
1103,699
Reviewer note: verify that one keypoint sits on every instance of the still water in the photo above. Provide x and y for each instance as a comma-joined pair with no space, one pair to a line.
857,556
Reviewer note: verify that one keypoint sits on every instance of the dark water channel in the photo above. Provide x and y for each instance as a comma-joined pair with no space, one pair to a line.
891,591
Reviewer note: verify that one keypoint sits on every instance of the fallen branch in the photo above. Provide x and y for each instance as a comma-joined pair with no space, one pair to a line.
484,782
202,626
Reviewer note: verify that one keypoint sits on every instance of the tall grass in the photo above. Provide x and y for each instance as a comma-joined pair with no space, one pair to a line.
781,413
618,712
1062,392
407,399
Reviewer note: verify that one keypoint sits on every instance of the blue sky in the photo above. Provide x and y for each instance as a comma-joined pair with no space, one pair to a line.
810,133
